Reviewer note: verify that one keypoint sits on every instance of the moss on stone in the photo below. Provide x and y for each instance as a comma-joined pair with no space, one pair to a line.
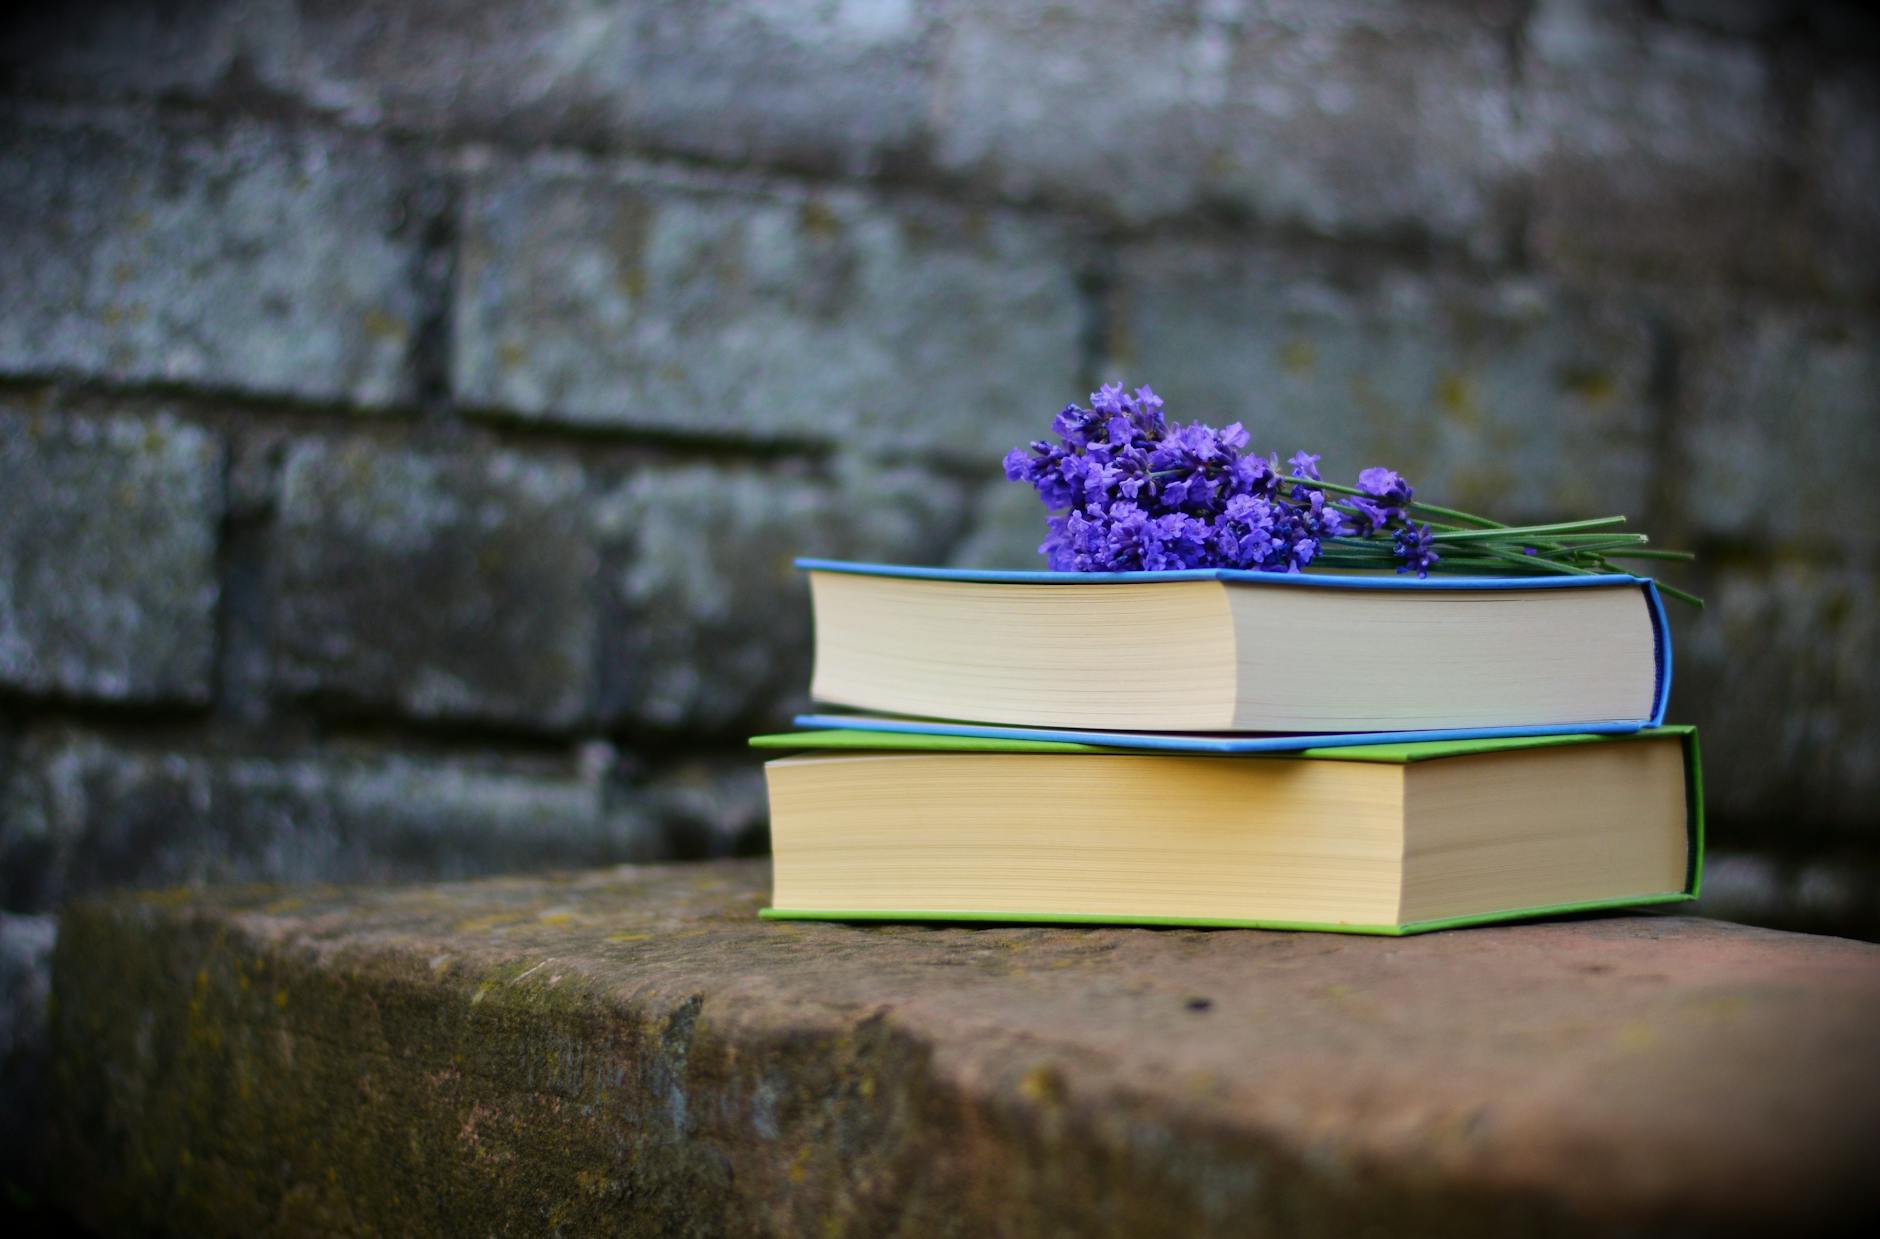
633,1052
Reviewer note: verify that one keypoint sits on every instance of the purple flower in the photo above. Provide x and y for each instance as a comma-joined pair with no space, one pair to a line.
1129,490
1018,465
1073,425
1386,484
1414,547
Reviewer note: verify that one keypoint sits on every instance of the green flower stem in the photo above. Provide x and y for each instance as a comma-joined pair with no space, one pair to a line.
1559,566
1349,510
1608,536
1479,522
1517,533
1682,556
1680,595
1585,548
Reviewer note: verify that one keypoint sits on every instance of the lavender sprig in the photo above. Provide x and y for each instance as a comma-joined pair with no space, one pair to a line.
1129,490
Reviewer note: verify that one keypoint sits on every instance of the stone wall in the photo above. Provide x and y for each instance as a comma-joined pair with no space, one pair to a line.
408,413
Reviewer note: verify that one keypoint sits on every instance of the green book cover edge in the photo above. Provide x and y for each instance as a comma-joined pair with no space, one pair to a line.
873,741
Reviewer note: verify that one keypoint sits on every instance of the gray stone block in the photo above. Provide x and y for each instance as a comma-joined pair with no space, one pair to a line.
26,944
1007,526
25,982
1742,17
1831,894
635,1052
692,808
1780,427
1341,118
189,49
833,88
107,555
247,256
803,84
83,812
1656,148
708,623
1843,162
1782,671
1510,398
799,83
451,585
643,303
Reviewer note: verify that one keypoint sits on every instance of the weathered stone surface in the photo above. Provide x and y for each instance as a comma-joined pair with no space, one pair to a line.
1008,525
25,986
1843,161
83,812
802,84
633,1052
107,555
188,49
1509,397
708,622
692,808
1745,17
448,584
1832,893
1339,117
1782,669
1656,148
245,256
642,303
1781,427
840,87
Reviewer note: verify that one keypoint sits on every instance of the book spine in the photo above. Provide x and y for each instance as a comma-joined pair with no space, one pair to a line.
1661,653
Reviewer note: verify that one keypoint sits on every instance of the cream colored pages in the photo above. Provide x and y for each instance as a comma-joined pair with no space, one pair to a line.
1543,827
1156,656
1032,834
1362,660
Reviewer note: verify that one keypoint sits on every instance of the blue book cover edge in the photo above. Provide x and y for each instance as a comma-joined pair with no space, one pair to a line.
1661,629
1171,742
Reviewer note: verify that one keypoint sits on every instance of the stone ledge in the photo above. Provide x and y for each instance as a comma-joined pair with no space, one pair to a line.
631,1051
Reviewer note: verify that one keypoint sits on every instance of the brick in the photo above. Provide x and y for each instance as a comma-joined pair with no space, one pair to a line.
1740,17
1656,148
1833,894
84,812
693,807
1778,429
640,303
444,584
1007,526
25,989
823,87
1506,397
1780,670
108,584
25,981
1843,166
801,84
635,1051
1341,118
188,49
708,623
246,257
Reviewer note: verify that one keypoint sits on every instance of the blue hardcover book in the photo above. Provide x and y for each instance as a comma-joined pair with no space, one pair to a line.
1226,661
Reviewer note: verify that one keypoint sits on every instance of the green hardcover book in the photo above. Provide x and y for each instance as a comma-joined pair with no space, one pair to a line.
1378,839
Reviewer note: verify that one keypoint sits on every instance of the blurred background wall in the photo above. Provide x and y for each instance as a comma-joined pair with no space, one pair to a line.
408,412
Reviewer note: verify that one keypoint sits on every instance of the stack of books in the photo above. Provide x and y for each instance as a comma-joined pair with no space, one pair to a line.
1223,748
